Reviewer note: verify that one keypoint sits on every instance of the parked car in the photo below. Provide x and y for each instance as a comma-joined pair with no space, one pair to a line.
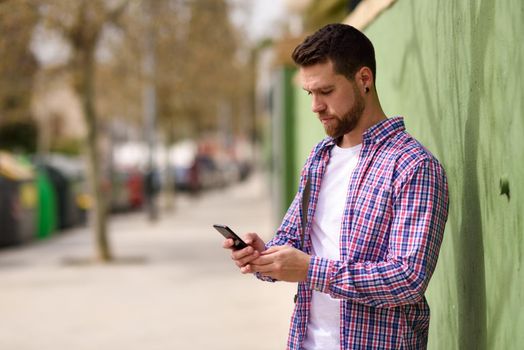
127,189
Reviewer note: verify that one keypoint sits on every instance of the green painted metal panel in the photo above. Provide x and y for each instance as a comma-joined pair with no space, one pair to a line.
309,129
289,134
46,218
454,69
303,131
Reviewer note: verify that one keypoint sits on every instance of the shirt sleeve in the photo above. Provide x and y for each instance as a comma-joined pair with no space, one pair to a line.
290,229
419,215
287,233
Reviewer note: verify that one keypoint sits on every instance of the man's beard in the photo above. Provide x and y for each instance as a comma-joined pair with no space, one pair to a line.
345,124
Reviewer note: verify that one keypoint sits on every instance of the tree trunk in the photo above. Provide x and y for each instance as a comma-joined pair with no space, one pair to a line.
169,186
99,221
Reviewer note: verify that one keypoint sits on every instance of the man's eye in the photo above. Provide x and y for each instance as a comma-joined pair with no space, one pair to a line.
308,93
326,92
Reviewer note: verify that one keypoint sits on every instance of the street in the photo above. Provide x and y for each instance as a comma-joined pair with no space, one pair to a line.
171,285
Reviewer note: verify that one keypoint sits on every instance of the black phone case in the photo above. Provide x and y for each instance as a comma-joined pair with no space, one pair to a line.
228,233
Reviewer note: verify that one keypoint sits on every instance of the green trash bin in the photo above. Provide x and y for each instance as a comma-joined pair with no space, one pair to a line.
46,207
67,175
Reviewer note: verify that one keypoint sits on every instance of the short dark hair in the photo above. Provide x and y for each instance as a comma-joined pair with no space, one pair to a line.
347,47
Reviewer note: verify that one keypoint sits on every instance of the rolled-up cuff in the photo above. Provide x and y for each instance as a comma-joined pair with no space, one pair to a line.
319,274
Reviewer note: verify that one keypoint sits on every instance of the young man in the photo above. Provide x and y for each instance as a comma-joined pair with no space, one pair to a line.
376,214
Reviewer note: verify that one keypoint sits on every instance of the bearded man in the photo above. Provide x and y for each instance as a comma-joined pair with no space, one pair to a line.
363,233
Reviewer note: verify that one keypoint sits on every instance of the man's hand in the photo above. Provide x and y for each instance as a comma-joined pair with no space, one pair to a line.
245,256
283,263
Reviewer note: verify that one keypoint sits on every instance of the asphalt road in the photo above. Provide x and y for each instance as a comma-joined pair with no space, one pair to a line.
171,286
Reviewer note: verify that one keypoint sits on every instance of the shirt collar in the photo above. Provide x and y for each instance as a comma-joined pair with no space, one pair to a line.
378,132
383,130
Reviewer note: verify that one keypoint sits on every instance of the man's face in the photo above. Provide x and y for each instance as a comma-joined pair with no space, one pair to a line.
336,100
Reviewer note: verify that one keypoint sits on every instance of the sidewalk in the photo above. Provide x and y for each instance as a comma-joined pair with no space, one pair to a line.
172,285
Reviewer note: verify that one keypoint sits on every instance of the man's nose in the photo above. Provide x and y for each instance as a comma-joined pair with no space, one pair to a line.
317,104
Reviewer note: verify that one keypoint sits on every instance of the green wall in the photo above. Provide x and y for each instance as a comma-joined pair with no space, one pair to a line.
454,70
300,132
290,137
309,129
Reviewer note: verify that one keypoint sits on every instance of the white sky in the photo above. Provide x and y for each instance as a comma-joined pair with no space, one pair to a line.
266,15
262,18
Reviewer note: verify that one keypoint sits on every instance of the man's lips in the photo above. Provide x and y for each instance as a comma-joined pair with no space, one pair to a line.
325,119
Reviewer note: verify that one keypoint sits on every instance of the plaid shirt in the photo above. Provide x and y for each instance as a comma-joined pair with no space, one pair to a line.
392,228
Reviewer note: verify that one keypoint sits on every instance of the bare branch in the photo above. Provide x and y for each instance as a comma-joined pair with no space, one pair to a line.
115,14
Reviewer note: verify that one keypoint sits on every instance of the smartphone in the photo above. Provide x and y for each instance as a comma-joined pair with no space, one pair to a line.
238,243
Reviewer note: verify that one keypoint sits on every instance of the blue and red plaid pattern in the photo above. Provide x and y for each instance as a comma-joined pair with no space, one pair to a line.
392,229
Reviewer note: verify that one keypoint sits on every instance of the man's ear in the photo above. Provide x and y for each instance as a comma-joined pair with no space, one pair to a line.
364,79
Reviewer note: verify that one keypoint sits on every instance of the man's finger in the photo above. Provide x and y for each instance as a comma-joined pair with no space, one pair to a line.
228,243
247,259
272,250
263,269
242,253
250,269
263,260
246,269
249,237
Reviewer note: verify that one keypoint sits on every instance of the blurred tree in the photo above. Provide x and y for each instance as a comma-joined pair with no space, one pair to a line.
202,68
82,24
17,71
215,72
322,12
118,77
203,77
201,61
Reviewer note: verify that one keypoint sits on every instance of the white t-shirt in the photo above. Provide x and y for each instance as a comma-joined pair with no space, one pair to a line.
323,331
